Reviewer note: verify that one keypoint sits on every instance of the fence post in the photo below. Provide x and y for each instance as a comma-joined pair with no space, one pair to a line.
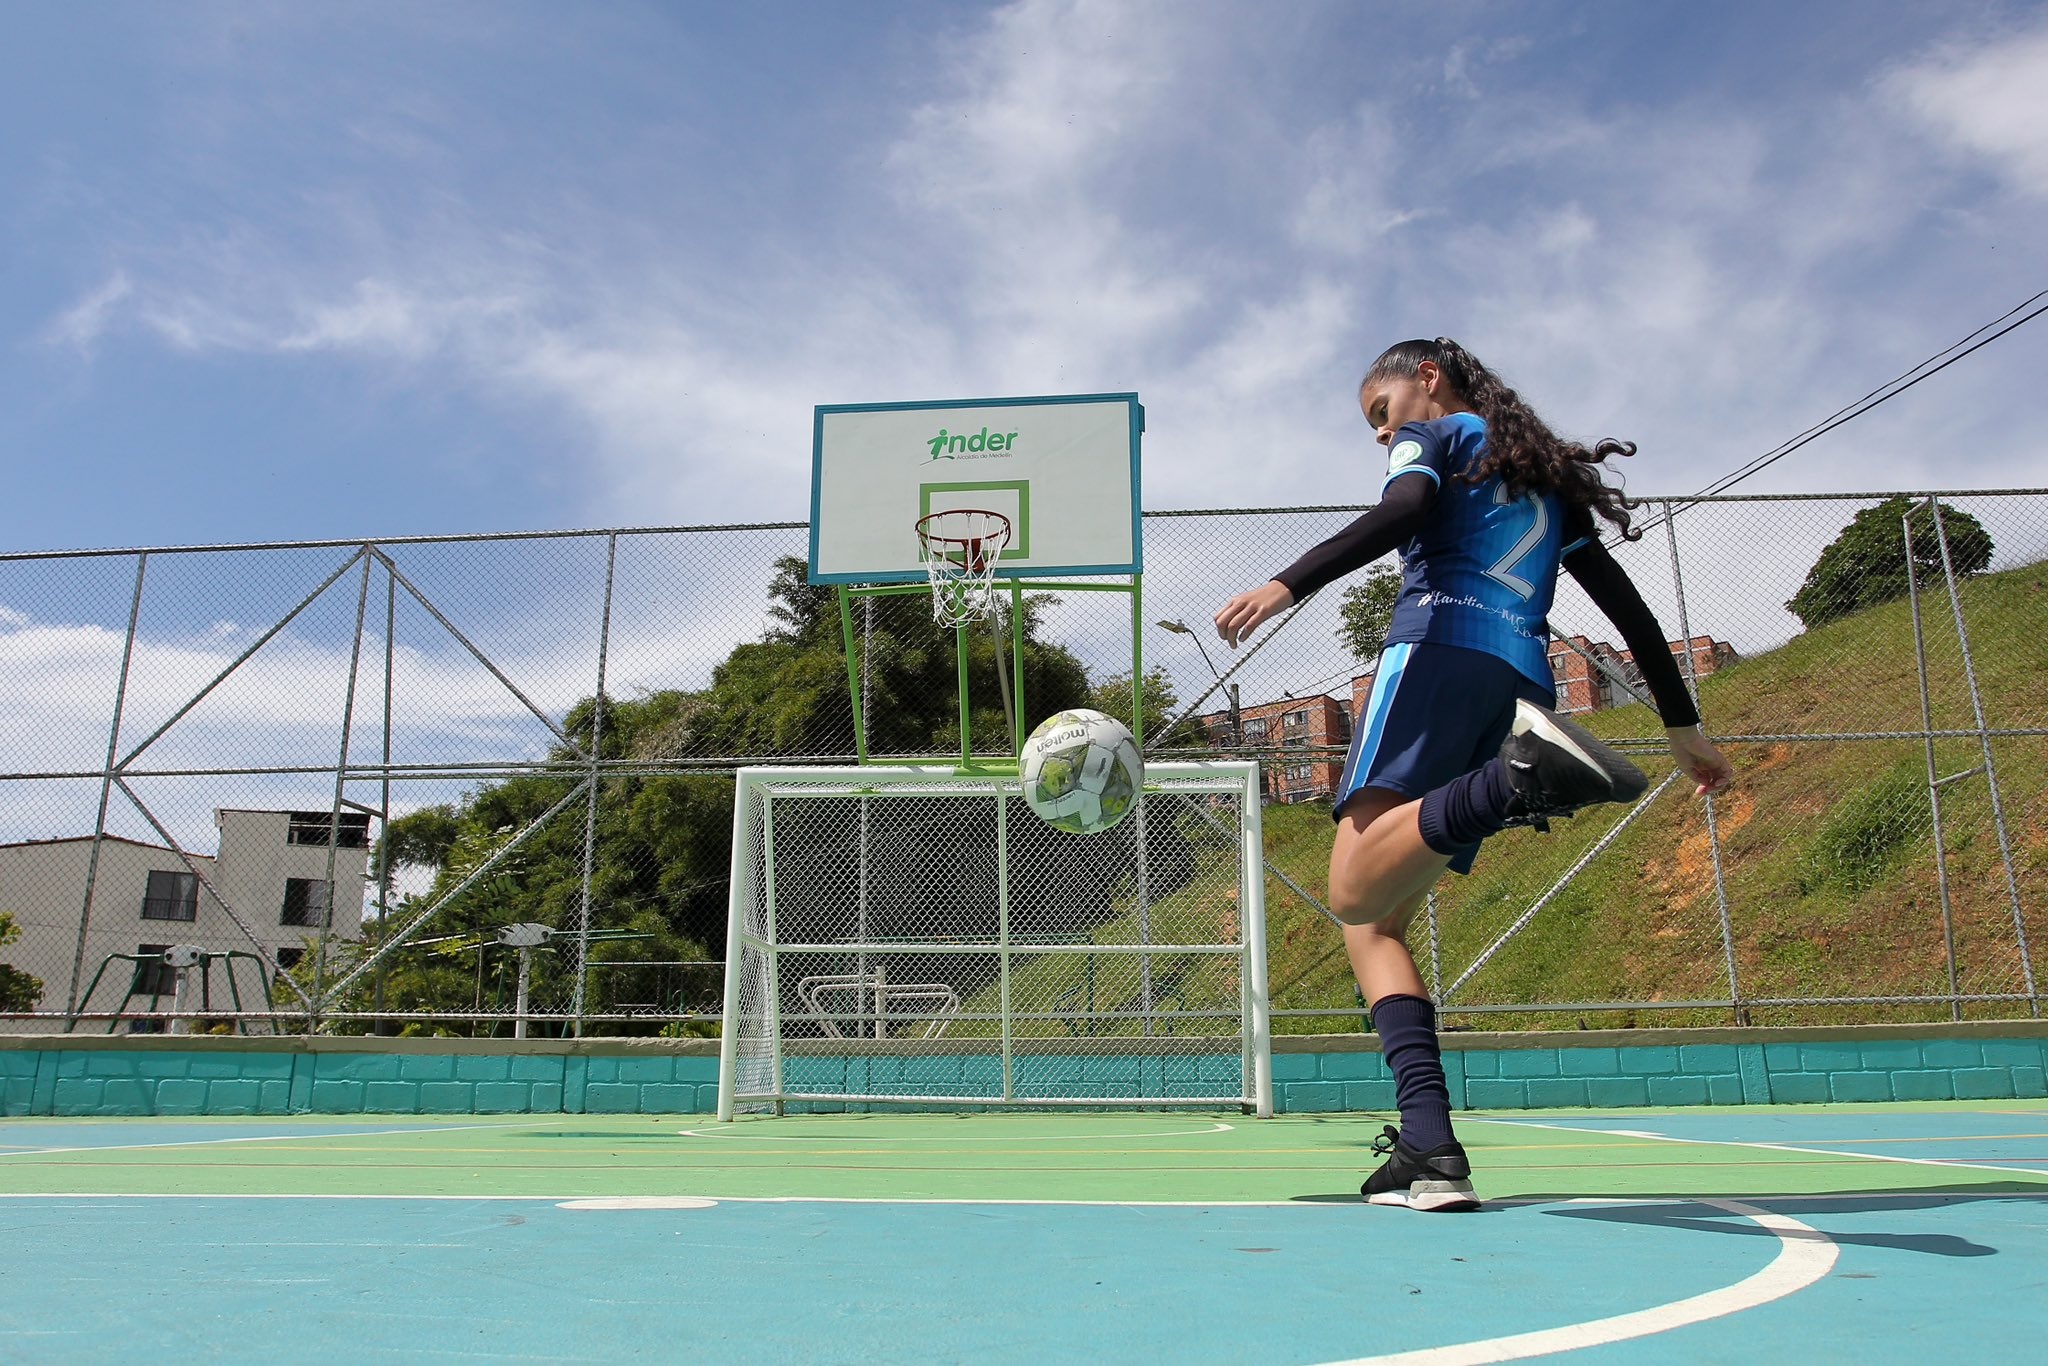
2012,886
384,803
348,725
604,641
1436,953
1934,779
99,832
1692,684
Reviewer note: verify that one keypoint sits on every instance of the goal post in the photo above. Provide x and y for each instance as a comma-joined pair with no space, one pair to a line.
916,936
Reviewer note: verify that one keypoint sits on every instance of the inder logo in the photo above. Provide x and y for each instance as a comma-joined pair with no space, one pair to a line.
981,445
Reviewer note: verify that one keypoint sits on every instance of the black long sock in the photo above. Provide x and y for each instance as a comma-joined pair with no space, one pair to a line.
1407,1030
1466,809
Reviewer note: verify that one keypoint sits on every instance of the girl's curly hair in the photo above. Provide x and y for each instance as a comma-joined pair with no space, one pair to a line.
1520,446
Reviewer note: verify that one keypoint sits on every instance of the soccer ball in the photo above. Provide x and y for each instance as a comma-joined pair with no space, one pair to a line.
1082,772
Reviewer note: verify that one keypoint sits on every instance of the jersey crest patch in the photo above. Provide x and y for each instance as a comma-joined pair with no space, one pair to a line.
1404,454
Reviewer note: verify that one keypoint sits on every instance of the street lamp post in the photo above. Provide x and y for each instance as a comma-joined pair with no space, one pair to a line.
1181,628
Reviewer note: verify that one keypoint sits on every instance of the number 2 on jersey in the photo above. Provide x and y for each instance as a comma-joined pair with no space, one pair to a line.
1503,571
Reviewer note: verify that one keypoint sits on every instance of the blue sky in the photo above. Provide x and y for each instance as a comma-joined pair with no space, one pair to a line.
281,271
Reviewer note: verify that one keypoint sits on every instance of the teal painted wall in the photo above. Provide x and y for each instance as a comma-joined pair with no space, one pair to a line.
109,1076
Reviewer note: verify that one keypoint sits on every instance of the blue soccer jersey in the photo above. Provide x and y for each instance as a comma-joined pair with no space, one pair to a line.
1481,574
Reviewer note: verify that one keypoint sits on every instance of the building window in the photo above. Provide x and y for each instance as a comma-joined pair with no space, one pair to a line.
171,896
311,827
1295,720
1564,697
153,976
307,901
1254,730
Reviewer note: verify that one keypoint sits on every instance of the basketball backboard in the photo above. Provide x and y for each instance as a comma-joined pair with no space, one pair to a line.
1064,471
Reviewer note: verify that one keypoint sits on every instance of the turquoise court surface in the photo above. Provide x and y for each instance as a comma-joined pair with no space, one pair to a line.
1758,1233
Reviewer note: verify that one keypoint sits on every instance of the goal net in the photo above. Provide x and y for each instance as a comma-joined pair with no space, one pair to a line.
916,936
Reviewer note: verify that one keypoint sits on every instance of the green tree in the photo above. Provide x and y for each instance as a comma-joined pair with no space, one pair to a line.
659,872
1113,695
18,990
1866,564
787,694
663,840
421,839
803,611
1367,611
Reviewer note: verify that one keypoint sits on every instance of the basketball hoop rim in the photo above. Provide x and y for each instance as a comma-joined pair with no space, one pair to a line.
969,554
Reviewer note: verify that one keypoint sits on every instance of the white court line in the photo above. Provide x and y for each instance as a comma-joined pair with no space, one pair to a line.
738,1131
261,1138
1805,1255
1767,1147
1505,1202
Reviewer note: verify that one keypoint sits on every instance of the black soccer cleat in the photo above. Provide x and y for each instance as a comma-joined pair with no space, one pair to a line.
1436,1182
1556,768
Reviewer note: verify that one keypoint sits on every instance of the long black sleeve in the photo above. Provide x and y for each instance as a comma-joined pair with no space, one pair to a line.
1401,512
1615,594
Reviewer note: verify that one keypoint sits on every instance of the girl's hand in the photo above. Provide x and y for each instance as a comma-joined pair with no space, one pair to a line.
1247,610
1699,760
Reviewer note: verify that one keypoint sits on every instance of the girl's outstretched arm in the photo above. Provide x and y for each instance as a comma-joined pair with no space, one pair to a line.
1244,613
1697,758
1403,509
1616,595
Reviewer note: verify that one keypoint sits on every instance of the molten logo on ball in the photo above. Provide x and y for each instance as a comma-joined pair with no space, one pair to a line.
1082,771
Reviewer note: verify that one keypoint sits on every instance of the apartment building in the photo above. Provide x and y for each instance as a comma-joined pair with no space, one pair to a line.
1582,686
1319,726
271,868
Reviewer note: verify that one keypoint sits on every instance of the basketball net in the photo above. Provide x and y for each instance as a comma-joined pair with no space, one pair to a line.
960,548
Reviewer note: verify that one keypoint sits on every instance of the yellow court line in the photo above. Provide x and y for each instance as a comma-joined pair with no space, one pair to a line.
668,1156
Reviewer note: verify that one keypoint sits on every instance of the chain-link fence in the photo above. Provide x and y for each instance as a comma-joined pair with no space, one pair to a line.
484,784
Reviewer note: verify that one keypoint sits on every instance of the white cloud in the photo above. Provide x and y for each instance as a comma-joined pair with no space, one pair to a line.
1988,98
1042,98
1354,194
80,326
1093,196
1015,175
393,320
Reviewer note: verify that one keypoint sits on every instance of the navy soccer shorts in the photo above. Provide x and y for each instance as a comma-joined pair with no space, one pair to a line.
1436,711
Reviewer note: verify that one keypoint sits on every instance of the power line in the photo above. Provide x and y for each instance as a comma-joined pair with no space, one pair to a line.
1884,393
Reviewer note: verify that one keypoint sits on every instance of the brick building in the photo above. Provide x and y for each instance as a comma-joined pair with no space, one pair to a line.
1581,687
1303,723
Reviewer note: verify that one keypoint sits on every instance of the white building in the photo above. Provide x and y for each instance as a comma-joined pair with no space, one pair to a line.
271,870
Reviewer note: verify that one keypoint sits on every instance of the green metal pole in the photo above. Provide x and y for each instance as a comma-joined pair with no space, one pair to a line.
860,730
1138,660
1017,669
960,657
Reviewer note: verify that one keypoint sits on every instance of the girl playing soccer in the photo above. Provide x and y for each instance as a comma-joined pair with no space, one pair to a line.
1485,504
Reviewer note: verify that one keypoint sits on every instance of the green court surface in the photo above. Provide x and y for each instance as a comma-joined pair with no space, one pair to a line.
1747,1234
1786,1150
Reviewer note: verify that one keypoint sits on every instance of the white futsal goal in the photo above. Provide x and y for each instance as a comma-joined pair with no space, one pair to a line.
916,936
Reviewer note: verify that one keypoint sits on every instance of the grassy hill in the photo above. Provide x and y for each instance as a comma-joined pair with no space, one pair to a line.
1826,858
1827,848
